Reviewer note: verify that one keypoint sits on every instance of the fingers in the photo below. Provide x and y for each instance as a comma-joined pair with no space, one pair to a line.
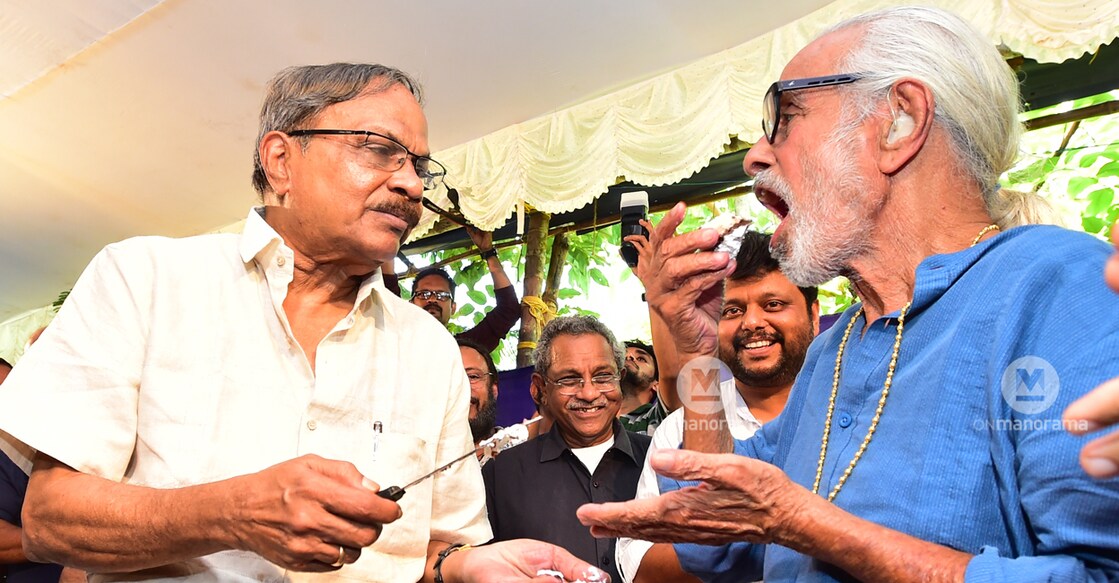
714,469
1111,270
1095,410
1100,458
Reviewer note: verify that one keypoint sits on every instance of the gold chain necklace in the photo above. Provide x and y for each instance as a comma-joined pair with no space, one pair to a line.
881,400
985,230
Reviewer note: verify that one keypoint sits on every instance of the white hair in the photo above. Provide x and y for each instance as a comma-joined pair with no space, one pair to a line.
1012,208
976,93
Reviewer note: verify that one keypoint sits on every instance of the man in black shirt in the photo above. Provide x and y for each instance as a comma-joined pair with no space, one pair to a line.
533,490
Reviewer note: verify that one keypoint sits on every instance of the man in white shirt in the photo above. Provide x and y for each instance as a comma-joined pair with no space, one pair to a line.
226,407
765,328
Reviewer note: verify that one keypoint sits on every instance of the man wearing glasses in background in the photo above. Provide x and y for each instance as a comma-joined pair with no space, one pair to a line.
533,490
482,373
434,291
226,407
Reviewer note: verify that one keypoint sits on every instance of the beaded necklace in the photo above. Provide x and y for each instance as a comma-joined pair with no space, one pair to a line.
881,400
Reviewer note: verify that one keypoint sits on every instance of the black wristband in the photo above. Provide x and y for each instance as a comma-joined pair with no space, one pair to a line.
491,252
443,554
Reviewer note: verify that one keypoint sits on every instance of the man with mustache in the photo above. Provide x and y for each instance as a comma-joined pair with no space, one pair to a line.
765,326
533,489
227,407
434,291
482,373
641,411
923,439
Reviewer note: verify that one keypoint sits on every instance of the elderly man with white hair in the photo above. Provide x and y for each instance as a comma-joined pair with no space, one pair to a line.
923,439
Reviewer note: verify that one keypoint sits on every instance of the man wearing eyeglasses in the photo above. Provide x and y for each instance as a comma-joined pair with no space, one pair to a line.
533,489
434,291
227,407
923,439
482,373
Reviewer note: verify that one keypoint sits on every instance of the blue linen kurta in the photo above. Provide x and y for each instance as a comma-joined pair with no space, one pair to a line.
952,462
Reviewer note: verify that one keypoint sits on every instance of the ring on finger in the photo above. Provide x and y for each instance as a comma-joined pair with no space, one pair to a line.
341,557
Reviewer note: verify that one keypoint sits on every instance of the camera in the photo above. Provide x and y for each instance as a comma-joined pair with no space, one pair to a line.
633,207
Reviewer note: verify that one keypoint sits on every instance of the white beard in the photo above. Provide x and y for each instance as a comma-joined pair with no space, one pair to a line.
829,226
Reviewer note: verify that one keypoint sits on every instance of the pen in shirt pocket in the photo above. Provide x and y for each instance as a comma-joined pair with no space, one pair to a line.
377,427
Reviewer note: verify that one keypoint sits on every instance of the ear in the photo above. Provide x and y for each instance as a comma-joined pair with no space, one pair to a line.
902,136
275,148
815,318
536,389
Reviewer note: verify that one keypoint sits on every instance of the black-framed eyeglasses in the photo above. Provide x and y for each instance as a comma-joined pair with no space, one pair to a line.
478,378
426,294
771,104
570,386
387,154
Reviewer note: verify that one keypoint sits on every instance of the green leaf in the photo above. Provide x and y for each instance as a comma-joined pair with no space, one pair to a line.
1099,201
567,293
1077,184
1088,160
1093,224
466,310
578,278
1109,169
1033,172
598,277
626,274
476,296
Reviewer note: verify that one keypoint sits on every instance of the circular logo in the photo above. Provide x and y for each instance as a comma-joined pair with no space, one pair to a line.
698,384
1030,385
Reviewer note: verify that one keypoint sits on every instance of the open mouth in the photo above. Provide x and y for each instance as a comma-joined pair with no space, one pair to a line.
758,344
772,201
586,411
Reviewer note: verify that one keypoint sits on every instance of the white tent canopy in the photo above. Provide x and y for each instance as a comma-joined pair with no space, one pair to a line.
129,117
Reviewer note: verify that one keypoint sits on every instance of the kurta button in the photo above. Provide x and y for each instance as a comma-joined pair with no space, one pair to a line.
280,261
312,425
606,560
845,420
595,483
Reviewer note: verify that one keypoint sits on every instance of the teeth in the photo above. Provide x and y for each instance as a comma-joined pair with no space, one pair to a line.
759,344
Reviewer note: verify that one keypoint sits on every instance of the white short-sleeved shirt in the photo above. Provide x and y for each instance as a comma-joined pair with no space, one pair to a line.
669,435
172,363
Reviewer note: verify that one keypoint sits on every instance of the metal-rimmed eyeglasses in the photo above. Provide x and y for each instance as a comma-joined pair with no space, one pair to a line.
387,154
570,386
771,104
426,294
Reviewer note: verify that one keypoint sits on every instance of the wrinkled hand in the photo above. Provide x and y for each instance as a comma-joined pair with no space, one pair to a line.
517,561
298,513
483,240
739,499
682,279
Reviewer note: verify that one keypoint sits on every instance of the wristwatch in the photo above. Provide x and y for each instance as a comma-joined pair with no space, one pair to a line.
491,252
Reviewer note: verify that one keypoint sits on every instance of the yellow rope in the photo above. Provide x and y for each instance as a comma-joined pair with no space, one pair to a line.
542,312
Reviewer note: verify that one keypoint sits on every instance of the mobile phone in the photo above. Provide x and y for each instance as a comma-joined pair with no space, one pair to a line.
633,207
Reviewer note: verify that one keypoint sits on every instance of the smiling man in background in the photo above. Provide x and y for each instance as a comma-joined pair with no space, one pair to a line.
533,490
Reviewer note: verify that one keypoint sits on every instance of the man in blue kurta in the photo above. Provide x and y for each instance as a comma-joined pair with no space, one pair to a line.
923,439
